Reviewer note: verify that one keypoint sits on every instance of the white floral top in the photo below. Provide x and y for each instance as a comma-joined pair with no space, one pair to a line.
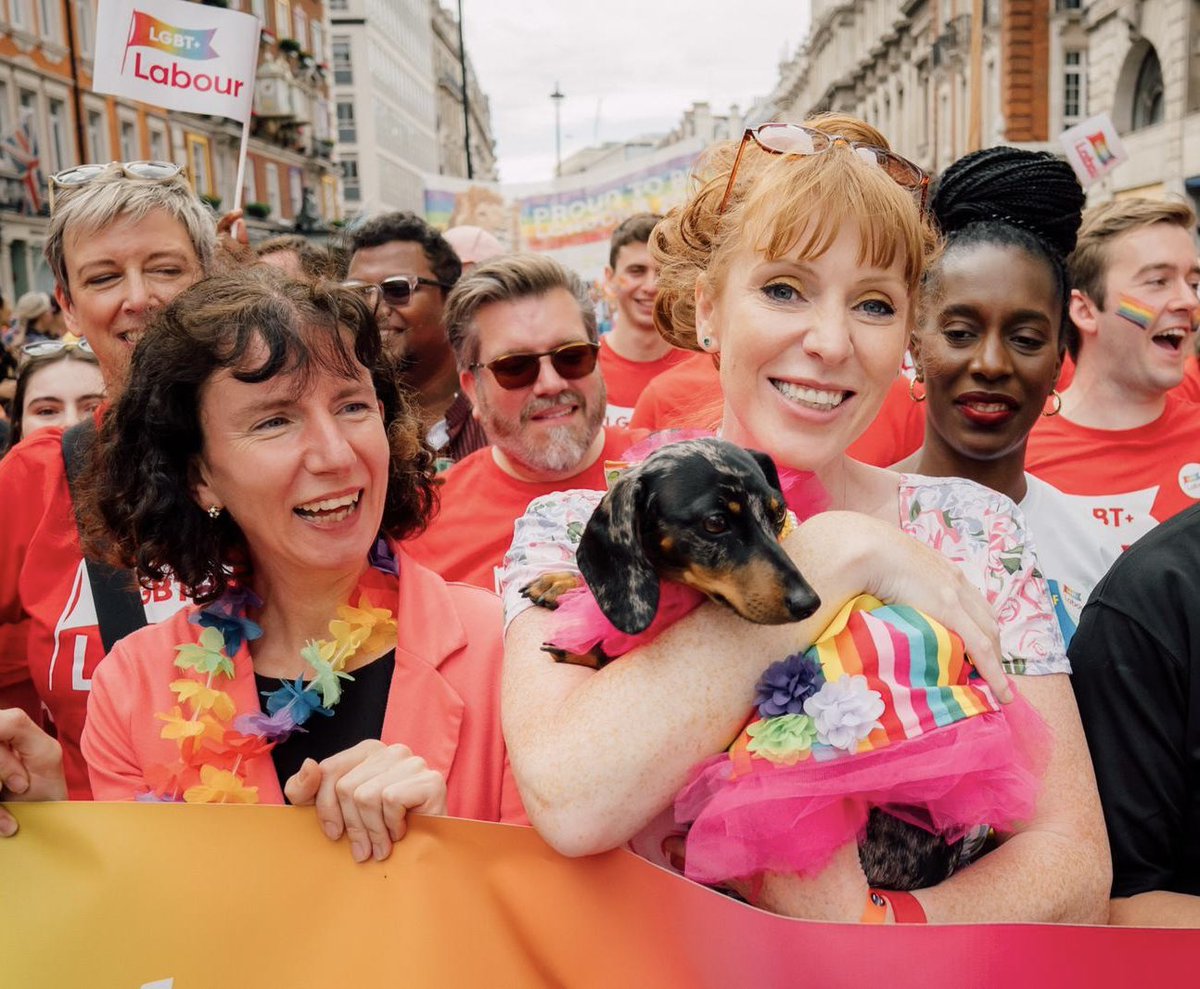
977,528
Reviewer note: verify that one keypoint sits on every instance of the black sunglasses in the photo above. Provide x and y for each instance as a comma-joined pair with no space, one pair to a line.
395,290
570,361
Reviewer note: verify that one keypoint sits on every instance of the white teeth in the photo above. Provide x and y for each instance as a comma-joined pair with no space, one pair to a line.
328,506
810,396
988,406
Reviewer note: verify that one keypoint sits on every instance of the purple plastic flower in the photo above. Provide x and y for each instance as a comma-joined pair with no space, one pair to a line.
382,558
785,686
274,728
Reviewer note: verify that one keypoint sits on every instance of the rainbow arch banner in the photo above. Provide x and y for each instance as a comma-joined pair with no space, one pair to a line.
173,896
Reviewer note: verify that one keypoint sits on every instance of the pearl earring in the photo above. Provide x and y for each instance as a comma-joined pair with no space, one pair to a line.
214,512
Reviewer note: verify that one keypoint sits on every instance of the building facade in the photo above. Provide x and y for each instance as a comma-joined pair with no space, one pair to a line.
907,67
46,51
451,121
385,96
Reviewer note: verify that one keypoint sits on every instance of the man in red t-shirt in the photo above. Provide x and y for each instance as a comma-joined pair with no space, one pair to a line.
1123,445
524,336
632,354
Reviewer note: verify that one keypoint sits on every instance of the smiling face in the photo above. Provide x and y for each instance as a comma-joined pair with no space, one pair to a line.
300,464
809,347
119,276
634,282
988,350
550,425
1156,267
413,332
61,393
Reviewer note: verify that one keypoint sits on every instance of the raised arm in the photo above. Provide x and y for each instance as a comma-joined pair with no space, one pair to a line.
598,755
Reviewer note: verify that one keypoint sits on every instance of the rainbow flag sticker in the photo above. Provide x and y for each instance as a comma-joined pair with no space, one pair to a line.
149,32
1136,312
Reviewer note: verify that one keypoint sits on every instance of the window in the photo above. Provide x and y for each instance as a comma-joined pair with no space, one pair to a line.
1073,104
84,27
5,127
199,163
295,189
129,142
273,187
48,15
1148,93
338,5
347,131
343,73
329,198
300,27
158,145
20,14
59,158
250,185
350,188
283,18
318,40
259,9
96,138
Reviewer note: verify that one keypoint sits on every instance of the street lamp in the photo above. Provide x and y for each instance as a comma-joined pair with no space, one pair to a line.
558,96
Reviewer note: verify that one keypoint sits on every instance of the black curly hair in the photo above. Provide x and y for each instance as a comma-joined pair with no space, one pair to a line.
402,226
136,496
1011,197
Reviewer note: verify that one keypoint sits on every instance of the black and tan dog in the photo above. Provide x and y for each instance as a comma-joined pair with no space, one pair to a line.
704,513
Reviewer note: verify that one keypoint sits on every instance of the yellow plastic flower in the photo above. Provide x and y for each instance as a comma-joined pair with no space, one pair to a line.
179,725
377,620
347,639
203,698
219,786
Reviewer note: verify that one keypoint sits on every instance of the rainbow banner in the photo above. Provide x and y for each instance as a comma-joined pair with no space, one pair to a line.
149,32
175,896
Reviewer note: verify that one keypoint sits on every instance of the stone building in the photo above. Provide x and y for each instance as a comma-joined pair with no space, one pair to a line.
906,65
46,51
451,126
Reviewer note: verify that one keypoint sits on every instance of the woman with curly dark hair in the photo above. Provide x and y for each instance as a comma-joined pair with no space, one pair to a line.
265,457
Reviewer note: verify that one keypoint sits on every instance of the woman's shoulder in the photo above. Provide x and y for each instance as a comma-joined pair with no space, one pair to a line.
151,649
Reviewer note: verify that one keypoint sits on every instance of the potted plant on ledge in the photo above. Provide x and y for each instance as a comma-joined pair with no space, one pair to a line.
260,211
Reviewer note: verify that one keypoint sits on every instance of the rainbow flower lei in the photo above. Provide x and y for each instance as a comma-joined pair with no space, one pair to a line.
214,741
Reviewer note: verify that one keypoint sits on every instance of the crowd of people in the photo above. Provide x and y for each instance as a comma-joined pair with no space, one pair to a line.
268,523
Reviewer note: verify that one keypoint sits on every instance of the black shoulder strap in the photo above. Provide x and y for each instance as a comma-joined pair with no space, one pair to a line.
115,592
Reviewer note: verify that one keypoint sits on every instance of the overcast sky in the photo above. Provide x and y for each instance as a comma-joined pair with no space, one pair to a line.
626,67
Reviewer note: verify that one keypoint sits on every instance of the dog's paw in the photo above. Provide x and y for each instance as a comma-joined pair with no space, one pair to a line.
546,589
593,660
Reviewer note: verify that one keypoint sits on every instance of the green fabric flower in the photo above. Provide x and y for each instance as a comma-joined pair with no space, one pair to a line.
784,740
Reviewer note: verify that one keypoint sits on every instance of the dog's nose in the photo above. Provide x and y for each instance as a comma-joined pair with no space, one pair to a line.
802,601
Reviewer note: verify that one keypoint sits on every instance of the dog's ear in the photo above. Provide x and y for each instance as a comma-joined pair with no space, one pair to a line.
767,465
611,559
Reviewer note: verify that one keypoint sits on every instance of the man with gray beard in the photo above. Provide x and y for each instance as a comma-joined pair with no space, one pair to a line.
524,336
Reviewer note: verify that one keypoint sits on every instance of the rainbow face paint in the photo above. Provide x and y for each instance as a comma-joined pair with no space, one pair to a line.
1136,311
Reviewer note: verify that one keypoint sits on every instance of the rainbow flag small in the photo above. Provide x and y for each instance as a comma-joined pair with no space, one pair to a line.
150,32
1136,311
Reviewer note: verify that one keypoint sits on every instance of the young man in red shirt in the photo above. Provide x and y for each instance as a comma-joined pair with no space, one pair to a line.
1122,444
524,335
633,353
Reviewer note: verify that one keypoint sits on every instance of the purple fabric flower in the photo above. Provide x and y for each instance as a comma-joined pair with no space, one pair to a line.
785,686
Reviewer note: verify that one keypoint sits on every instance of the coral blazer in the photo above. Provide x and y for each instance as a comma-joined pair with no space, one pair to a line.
444,701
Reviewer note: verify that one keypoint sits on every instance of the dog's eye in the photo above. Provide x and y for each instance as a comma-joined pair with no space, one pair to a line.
716,524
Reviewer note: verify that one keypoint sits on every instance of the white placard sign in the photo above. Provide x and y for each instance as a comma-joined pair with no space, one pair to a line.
177,55
1093,148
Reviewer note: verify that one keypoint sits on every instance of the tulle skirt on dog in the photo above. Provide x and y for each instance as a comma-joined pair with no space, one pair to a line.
885,710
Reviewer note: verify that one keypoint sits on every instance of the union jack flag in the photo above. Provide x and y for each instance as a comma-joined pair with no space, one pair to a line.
21,148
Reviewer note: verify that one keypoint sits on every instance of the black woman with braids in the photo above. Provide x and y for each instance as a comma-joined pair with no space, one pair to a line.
990,344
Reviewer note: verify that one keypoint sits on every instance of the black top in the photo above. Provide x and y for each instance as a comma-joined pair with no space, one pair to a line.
1136,662
358,715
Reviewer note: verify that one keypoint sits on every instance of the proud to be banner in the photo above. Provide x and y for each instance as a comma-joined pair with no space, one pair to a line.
177,55
181,896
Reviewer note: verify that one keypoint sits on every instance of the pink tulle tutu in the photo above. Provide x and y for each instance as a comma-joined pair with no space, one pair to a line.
982,770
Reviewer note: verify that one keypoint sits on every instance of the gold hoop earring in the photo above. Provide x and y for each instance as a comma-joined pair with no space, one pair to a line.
912,390
1056,404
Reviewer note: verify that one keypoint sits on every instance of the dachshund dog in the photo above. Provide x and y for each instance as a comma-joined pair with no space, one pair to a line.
703,513
708,515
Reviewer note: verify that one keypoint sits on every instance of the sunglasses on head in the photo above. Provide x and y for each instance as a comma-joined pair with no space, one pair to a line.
793,139
150,171
40,348
570,361
395,290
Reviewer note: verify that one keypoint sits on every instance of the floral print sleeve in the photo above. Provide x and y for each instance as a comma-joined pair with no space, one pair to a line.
544,540
984,533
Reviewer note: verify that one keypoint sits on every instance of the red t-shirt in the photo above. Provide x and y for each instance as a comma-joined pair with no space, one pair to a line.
1124,481
43,578
1188,389
473,529
689,397
625,380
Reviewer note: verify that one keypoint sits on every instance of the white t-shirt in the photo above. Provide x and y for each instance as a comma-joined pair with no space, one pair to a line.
1069,555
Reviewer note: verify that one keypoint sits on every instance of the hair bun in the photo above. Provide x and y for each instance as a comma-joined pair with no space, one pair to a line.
1032,190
